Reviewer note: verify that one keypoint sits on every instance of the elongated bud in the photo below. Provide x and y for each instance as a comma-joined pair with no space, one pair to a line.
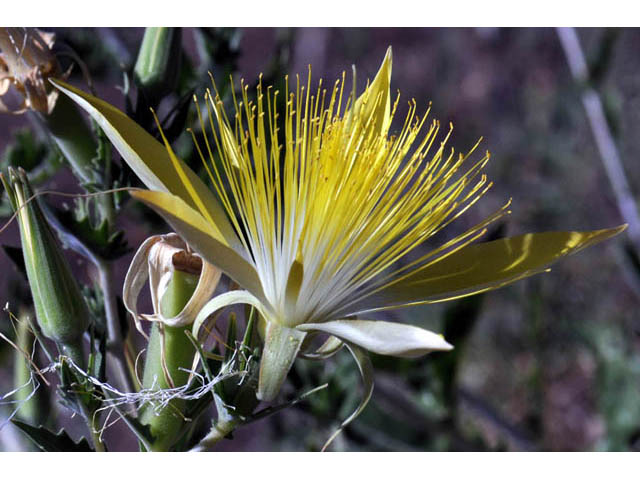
181,283
158,65
61,311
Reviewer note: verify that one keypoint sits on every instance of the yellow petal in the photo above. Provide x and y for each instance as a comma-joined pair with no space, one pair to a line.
203,237
151,161
482,267
368,101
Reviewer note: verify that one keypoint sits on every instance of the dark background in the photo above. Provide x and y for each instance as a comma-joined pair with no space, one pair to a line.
550,363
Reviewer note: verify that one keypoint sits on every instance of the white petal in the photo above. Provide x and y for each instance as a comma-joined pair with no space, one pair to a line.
385,338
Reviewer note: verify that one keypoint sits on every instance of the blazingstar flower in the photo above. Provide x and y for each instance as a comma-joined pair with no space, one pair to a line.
313,226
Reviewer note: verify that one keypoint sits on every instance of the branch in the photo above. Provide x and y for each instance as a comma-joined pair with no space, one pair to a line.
602,133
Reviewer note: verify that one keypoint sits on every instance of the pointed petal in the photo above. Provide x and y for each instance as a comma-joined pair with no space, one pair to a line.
380,86
384,338
151,161
482,267
366,372
203,237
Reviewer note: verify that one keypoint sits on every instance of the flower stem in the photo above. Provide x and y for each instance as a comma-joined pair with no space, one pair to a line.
115,343
25,397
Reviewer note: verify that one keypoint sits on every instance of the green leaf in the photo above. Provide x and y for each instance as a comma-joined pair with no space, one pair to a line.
48,441
481,267
384,338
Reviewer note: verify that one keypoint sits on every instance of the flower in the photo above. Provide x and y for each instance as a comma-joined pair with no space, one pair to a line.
312,228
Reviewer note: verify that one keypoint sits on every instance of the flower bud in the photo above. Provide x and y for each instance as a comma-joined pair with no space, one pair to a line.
158,65
61,311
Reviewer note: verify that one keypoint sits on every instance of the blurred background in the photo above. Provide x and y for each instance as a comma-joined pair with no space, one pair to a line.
550,363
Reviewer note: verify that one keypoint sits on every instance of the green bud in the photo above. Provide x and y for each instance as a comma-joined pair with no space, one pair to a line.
60,308
158,65
179,352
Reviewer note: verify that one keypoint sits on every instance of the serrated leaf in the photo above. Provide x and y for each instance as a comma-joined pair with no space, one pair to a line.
47,441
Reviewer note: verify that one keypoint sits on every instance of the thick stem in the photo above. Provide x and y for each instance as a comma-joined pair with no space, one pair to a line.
75,351
168,372
29,409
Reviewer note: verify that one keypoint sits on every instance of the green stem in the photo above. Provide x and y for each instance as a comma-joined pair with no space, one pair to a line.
115,343
220,429
75,351
92,423
179,352
29,409
157,67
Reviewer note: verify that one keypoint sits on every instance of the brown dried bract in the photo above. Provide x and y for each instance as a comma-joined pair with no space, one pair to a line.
27,62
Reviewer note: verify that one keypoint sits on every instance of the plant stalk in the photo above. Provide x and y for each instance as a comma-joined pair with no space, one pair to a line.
220,430
29,408
115,342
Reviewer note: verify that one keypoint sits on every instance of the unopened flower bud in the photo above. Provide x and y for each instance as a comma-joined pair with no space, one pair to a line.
158,65
61,311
